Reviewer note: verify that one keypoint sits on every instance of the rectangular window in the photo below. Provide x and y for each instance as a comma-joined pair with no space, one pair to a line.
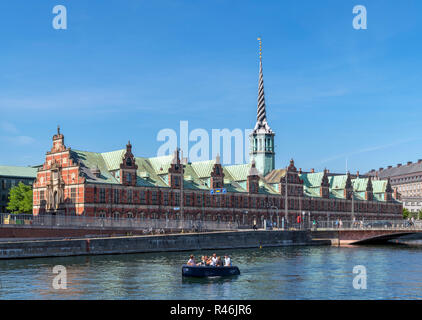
129,196
199,200
188,197
217,201
142,197
116,196
154,197
177,199
73,194
42,197
102,195
236,202
166,199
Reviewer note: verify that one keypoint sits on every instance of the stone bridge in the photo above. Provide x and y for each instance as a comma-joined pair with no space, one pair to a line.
367,236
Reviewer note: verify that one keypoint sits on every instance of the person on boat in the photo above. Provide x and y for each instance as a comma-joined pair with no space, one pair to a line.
227,261
191,261
203,262
213,260
219,263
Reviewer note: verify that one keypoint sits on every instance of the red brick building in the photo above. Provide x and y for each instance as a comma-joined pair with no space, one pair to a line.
118,184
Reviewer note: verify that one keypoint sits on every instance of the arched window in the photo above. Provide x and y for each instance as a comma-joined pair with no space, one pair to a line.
129,162
102,215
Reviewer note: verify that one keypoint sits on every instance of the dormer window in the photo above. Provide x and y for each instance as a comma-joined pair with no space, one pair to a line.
129,162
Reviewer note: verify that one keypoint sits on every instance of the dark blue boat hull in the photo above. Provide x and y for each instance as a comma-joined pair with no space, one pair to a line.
201,271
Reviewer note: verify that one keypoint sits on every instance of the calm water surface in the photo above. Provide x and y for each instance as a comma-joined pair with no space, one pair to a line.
393,272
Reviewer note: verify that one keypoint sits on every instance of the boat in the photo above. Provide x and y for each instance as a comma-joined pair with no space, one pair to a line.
209,271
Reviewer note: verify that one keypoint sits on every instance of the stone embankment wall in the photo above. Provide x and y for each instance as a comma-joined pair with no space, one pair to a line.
159,243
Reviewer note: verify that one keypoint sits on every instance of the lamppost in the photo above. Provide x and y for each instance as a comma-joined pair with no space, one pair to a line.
245,212
276,212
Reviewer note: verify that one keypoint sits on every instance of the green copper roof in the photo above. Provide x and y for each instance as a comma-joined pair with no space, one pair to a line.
202,168
360,184
18,172
338,181
379,186
239,172
312,179
113,159
159,164
91,160
154,172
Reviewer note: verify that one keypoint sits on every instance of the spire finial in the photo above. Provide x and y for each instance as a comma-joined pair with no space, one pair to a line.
260,48
58,129
217,158
261,115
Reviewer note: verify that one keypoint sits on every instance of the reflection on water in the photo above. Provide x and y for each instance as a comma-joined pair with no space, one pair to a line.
275,273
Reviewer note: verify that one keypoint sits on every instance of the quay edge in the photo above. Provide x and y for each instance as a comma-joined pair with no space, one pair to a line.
18,249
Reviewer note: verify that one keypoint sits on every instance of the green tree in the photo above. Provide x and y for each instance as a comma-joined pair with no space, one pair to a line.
406,213
20,199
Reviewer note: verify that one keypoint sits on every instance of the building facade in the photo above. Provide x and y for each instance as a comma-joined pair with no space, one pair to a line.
118,184
406,181
10,176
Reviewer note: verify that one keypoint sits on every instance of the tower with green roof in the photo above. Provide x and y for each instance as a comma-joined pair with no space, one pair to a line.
262,137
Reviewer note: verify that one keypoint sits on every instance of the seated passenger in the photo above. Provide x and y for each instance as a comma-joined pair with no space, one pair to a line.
203,262
191,261
227,261
214,259
219,263
213,262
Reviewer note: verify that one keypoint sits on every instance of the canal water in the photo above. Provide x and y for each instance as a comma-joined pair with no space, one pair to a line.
392,272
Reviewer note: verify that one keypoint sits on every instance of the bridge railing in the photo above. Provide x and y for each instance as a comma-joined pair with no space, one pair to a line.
146,225
364,225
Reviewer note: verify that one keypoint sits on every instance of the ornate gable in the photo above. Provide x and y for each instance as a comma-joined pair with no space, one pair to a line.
325,185
175,172
252,183
217,174
128,167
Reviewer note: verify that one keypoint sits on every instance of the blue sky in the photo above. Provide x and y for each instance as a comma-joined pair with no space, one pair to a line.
127,69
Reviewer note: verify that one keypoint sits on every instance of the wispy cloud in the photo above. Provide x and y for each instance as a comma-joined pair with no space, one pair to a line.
8,127
12,135
368,149
19,140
